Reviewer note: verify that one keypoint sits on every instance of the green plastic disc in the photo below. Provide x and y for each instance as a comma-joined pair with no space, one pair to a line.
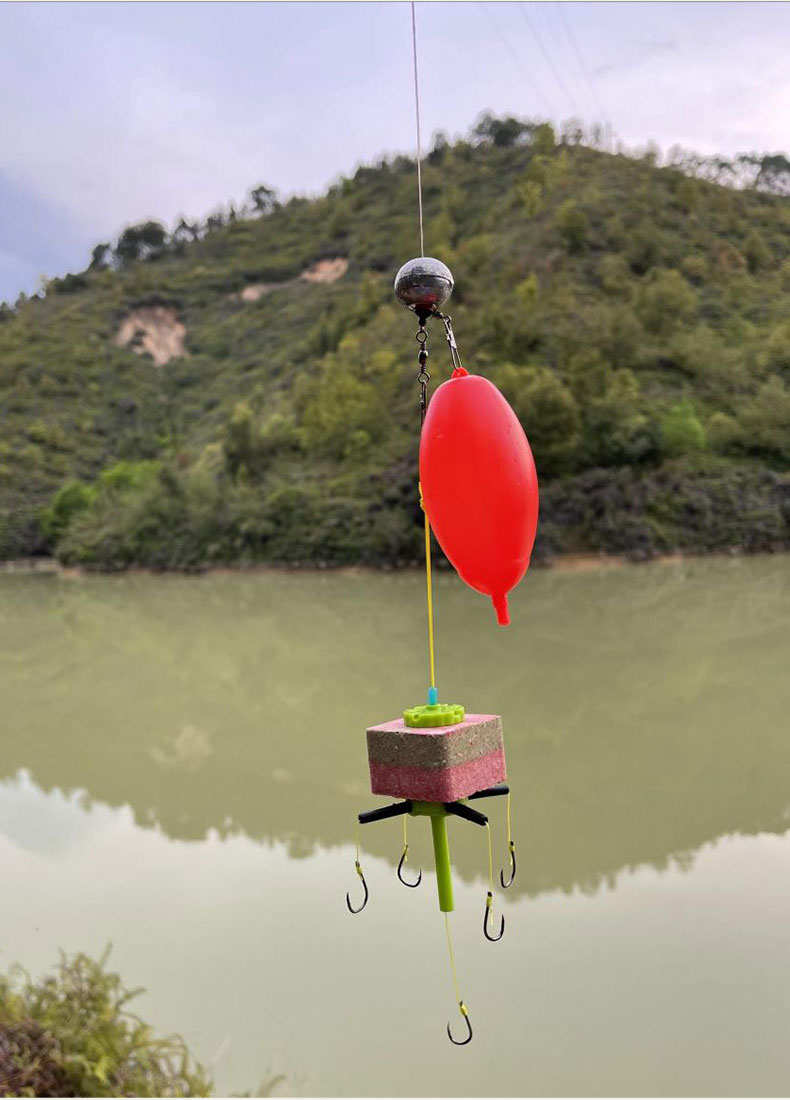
434,714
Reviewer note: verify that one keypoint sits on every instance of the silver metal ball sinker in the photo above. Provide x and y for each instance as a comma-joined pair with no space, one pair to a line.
424,284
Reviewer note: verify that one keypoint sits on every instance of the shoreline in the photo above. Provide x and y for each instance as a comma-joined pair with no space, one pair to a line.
562,563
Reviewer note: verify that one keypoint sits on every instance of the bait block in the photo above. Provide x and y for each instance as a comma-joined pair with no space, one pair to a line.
436,763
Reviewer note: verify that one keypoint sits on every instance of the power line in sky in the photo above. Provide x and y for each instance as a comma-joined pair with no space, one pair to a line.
556,40
517,60
582,63
549,59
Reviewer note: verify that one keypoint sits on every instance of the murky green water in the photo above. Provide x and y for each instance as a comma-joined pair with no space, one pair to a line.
181,760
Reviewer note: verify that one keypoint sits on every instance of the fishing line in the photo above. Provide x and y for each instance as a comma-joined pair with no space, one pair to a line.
432,694
417,120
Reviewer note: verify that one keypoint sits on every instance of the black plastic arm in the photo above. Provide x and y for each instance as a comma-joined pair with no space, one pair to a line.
490,792
460,810
395,809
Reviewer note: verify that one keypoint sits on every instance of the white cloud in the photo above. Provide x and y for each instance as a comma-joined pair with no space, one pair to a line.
633,55
129,140
117,112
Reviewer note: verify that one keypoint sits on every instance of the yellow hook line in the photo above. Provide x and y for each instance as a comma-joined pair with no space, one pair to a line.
452,959
490,861
429,588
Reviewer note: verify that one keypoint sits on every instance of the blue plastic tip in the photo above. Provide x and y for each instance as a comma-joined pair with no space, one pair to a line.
433,696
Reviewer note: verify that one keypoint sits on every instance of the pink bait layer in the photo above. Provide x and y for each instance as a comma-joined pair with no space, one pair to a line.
439,784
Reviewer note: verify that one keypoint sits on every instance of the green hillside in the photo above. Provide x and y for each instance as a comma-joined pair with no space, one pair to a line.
635,316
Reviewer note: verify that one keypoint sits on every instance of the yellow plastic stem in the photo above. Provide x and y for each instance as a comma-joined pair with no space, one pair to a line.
429,586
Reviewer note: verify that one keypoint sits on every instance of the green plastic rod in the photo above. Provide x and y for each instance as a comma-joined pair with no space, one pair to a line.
441,852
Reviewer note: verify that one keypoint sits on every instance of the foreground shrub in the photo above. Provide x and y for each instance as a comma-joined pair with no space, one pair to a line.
70,1034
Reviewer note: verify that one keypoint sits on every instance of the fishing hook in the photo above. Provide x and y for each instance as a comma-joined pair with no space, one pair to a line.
461,1042
403,859
364,887
509,882
486,915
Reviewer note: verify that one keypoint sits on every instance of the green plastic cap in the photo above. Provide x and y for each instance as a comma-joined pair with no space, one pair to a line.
434,714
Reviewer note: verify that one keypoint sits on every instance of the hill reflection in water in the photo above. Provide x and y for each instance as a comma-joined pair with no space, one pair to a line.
645,707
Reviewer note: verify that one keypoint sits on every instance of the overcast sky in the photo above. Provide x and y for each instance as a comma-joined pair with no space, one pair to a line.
115,112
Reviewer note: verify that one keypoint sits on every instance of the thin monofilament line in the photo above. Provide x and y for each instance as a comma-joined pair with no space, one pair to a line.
417,117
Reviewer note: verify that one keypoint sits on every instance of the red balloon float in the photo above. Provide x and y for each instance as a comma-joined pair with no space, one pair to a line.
479,485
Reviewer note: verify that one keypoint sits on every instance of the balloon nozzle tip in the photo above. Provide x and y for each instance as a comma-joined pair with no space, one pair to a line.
502,613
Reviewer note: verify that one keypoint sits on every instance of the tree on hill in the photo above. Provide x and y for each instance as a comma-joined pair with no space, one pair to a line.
146,241
185,232
102,257
264,199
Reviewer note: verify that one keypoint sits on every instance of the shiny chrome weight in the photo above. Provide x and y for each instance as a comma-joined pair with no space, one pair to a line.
424,285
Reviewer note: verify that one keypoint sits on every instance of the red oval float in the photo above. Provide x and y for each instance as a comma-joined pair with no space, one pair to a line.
479,485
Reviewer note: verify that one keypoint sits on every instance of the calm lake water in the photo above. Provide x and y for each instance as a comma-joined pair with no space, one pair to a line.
182,759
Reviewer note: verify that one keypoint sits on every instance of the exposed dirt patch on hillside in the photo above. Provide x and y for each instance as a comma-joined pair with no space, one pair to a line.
326,271
255,291
154,331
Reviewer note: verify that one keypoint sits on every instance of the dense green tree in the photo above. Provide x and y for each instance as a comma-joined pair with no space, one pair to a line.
341,406
239,441
264,199
725,434
765,420
616,429
549,413
146,241
72,498
776,352
573,226
101,257
681,431
501,132
666,301
756,252
643,248
185,232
